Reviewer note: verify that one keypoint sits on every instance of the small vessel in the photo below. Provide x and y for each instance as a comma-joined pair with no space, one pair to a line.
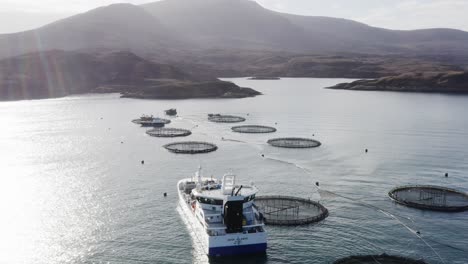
222,215
154,122
171,112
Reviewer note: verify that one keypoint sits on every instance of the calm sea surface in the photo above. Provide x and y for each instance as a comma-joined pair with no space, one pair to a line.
73,190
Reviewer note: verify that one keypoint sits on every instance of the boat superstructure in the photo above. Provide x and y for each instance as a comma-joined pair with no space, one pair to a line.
222,215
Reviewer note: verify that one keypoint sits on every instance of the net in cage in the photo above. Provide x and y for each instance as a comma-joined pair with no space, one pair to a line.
293,142
168,132
430,198
382,259
253,129
287,210
225,118
190,147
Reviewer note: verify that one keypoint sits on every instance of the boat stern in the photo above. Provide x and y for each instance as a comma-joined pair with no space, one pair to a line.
237,244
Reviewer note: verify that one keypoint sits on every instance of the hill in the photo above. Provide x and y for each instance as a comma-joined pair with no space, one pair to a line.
244,24
59,73
172,29
114,27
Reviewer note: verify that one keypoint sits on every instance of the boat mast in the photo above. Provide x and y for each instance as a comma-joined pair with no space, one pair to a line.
199,179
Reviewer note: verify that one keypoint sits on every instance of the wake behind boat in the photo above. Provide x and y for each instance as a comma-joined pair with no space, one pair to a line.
222,215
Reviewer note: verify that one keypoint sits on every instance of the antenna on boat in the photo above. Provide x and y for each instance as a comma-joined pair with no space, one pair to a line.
199,179
238,190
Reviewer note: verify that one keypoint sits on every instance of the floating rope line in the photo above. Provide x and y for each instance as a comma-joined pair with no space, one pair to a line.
366,205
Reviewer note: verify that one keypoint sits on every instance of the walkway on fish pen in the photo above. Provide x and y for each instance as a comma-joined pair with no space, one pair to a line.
430,198
381,259
294,142
288,210
217,118
168,132
190,147
253,129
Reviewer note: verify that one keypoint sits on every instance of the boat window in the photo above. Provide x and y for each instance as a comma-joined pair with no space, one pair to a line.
209,201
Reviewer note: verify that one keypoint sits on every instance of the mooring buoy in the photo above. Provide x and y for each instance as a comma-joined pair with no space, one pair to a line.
142,162
165,194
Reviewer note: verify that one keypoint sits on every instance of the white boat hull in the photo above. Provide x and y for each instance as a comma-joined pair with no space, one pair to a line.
222,245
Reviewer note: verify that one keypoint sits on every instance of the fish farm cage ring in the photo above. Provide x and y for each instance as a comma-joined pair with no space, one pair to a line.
429,197
383,259
168,132
294,142
253,129
290,211
225,118
190,147
138,121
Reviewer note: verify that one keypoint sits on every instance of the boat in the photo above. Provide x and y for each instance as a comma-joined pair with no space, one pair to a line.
154,122
171,112
222,215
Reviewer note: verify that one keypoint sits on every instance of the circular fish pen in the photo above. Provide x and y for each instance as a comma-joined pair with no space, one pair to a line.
253,129
430,198
139,121
225,118
168,132
294,142
190,147
383,259
287,210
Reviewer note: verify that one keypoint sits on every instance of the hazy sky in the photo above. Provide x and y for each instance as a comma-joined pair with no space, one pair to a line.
18,15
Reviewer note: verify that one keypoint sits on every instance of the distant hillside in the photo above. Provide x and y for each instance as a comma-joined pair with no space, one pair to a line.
235,63
173,28
239,24
114,27
244,24
59,73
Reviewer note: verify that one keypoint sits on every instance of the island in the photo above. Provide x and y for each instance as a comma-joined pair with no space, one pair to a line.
427,82
59,73
179,89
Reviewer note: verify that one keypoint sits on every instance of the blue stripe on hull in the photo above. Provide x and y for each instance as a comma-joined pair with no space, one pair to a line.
238,250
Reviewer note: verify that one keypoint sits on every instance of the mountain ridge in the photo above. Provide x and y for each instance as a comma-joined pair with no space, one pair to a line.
174,26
